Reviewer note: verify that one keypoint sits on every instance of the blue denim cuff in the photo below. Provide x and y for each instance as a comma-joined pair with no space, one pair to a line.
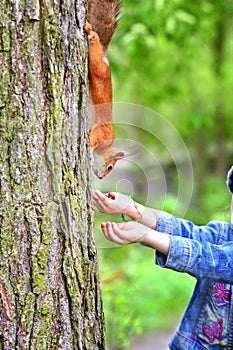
179,255
166,222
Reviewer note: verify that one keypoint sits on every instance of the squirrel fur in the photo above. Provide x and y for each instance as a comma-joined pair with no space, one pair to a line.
101,23
103,17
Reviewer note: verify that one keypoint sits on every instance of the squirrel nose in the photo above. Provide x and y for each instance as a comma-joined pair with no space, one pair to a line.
99,176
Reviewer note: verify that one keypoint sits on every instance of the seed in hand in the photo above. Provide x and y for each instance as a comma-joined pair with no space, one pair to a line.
110,196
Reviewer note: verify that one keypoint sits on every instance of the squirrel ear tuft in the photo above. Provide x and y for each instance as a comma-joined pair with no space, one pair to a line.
118,155
126,153
132,150
230,180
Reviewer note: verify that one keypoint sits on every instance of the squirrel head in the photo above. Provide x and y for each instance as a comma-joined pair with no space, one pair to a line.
104,160
105,156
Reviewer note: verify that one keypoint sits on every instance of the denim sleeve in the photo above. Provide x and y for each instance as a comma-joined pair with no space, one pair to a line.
204,252
214,232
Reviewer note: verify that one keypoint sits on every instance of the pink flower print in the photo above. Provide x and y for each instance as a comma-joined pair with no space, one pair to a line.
213,333
221,293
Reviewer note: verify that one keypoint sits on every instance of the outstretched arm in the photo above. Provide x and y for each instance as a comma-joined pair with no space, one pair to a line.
201,251
119,203
203,260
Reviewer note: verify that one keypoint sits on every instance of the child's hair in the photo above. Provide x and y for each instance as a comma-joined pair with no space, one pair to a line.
230,180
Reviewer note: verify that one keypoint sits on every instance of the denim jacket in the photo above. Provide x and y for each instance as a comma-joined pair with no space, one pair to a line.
205,252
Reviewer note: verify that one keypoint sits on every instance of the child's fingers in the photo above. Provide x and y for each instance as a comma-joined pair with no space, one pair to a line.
119,232
119,225
99,195
108,231
104,196
99,200
105,202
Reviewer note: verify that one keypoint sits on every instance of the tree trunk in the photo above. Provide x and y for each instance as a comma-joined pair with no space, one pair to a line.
49,287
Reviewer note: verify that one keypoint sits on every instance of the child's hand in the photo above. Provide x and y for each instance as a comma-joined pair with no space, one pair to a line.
113,202
125,233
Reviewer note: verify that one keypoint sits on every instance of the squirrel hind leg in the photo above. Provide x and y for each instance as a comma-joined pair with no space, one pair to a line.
88,28
93,36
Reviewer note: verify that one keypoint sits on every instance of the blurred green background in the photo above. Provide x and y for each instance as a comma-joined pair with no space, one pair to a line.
173,57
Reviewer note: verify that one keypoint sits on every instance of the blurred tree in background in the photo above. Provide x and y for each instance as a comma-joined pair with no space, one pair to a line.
174,57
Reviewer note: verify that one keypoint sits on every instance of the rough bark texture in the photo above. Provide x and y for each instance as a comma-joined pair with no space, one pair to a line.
49,288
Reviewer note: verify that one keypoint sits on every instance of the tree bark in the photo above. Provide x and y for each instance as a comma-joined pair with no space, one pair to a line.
49,286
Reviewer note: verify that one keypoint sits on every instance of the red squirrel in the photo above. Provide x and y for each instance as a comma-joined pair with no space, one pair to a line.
101,24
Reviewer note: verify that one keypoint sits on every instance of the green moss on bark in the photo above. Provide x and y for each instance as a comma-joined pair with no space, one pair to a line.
48,260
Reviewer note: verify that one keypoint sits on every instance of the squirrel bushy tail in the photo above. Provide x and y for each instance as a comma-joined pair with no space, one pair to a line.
101,24
103,16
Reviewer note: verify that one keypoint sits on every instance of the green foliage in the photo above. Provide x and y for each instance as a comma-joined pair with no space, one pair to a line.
162,56
214,203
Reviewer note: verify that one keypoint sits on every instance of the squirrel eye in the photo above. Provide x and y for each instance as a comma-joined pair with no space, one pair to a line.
110,167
